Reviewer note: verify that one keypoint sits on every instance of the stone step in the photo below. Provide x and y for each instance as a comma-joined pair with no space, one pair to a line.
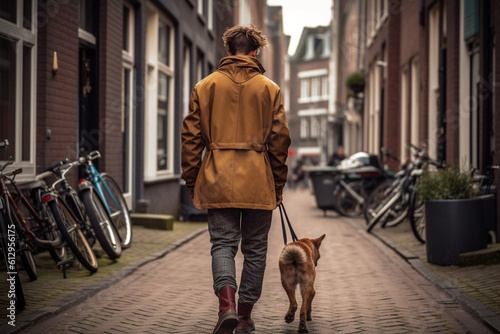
490,255
153,221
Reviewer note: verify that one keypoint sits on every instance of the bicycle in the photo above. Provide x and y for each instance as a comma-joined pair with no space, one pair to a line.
89,211
395,214
360,175
112,198
17,237
402,195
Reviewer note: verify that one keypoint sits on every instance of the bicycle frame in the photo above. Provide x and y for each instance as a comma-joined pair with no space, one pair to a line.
10,203
99,184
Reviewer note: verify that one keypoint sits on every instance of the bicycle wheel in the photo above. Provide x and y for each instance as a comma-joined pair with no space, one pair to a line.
396,214
23,248
386,205
103,226
73,235
46,229
15,287
79,211
119,210
374,201
417,217
52,233
346,204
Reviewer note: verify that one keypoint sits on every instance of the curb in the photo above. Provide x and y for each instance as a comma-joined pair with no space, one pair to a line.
25,321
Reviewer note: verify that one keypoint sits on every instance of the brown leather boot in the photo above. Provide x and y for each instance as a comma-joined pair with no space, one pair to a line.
228,319
245,322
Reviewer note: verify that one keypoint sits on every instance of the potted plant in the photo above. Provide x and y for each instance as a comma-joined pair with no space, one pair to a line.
355,82
455,218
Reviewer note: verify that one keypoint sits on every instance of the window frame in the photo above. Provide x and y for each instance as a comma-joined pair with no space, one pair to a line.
128,65
154,66
21,37
304,127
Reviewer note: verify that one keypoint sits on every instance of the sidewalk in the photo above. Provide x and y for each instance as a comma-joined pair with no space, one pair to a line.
476,288
51,294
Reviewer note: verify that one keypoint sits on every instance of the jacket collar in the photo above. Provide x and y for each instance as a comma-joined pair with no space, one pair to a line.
240,68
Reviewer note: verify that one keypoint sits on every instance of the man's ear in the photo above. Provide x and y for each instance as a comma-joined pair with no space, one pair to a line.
229,53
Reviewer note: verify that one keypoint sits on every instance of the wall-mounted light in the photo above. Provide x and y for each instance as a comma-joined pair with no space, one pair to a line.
381,63
55,66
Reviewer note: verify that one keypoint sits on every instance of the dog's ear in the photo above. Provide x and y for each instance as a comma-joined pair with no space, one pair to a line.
317,242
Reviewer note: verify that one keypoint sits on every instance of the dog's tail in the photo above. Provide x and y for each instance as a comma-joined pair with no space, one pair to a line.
293,254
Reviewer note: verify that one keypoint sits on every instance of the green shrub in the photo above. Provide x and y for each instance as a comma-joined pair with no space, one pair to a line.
355,82
449,183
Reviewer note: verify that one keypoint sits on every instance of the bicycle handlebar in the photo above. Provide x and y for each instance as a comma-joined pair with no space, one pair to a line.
57,164
389,154
94,155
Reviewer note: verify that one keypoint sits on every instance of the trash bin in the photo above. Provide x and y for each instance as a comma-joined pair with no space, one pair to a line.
323,180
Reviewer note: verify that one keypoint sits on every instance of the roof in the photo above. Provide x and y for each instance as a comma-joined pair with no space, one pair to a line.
314,44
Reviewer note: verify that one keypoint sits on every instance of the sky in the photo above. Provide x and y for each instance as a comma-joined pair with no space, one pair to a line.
300,13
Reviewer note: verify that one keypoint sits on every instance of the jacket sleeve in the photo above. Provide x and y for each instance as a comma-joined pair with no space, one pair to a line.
278,144
192,143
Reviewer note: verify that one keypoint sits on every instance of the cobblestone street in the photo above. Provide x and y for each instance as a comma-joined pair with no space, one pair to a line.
362,286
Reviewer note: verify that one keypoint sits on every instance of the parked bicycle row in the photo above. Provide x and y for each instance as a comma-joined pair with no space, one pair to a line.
52,216
359,185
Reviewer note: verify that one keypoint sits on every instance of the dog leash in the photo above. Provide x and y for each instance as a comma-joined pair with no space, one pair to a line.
282,210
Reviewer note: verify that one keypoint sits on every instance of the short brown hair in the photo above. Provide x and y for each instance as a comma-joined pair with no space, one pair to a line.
244,39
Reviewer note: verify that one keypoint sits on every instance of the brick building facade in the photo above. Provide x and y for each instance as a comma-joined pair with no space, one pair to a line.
114,76
431,76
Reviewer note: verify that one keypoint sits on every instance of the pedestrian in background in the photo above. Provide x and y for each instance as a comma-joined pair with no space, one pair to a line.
337,157
298,174
237,114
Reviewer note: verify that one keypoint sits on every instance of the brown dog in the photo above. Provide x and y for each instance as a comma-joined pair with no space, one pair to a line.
297,264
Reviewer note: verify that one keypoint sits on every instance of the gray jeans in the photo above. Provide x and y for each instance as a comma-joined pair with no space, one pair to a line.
227,227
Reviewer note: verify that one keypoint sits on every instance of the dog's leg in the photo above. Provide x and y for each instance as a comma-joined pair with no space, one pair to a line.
307,290
288,282
309,307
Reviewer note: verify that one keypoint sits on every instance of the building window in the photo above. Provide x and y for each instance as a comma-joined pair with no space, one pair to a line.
127,98
304,128
304,88
324,87
164,43
163,129
186,77
315,88
415,97
315,127
205,12
313,85
87,20
18,82
159,143
404,116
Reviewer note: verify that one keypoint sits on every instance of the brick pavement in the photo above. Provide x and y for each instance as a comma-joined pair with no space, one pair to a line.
362,286
476,287
51,293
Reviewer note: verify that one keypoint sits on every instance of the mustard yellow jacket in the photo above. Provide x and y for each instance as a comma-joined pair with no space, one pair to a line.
237,114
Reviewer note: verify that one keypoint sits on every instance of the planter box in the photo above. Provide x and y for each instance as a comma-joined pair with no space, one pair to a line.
454,227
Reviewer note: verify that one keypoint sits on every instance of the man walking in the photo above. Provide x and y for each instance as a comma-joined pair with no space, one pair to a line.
237,114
